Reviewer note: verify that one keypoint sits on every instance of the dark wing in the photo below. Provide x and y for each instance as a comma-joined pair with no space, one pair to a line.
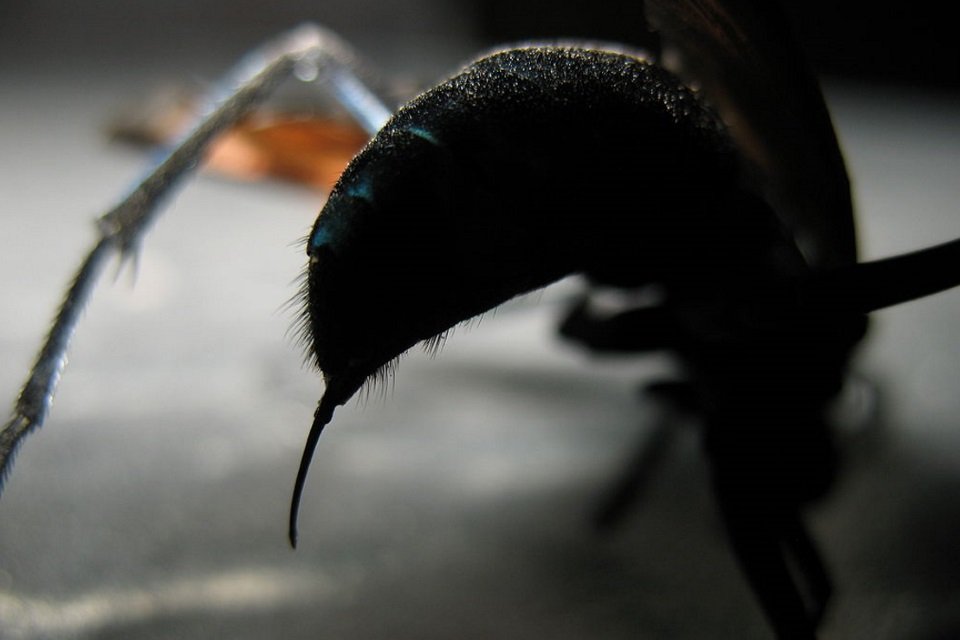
744,57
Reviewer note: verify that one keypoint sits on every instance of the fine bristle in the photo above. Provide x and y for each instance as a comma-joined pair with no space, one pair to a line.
301,329
381,380
434,345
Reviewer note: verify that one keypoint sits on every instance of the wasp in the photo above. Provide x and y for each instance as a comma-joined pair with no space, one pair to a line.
715,179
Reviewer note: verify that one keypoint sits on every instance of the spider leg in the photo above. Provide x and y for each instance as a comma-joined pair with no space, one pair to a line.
309,53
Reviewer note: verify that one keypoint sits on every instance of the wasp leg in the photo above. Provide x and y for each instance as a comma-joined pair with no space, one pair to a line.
785,572
679,395
309,53
761,478
800,548
629,485
637,329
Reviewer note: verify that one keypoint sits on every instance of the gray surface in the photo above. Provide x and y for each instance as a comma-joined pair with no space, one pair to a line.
153,504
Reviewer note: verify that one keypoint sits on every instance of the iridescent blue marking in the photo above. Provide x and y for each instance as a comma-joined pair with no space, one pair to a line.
422,133
361,189
333,225
320,237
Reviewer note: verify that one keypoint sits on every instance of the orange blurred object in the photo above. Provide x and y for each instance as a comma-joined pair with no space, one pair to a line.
313,151
308,149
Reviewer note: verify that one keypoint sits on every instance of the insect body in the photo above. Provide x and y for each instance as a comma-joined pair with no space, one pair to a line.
469,196
491,202
539,162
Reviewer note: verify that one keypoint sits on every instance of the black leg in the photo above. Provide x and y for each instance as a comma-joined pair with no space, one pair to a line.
757,535
628,487
634,330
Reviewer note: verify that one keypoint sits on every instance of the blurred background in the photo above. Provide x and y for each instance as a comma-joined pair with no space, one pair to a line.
903,43
906,43
153,504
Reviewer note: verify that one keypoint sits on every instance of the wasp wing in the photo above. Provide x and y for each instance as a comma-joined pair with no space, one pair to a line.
743,55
